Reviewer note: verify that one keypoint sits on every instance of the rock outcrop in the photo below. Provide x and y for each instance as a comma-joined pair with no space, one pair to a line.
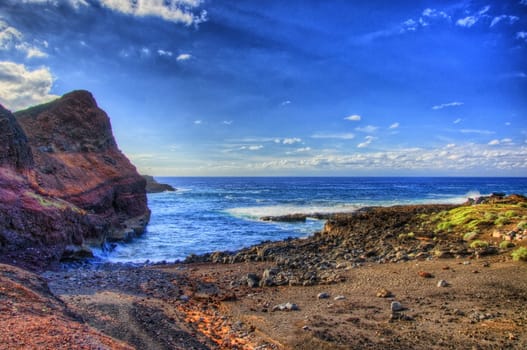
152,186
64,183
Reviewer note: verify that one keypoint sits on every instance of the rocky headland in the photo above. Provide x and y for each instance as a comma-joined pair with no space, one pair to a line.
152,186
64,183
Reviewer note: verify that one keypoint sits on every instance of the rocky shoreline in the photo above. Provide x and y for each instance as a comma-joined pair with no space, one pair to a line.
403,277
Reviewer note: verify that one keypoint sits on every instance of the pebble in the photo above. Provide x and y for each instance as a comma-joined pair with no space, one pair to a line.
322,295
396,306
425,274
339,297
285,307
442,284
384,293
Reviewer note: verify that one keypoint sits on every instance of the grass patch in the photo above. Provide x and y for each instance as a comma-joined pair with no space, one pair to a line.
522,225
50,202
469,236
479,244
502,220
519,254
506,244
476,218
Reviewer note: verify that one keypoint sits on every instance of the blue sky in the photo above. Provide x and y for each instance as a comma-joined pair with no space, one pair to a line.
289,87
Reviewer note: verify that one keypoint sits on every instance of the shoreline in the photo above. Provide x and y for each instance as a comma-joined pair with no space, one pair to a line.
383,277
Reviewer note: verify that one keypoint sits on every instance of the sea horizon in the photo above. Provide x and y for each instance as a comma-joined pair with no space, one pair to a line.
207,214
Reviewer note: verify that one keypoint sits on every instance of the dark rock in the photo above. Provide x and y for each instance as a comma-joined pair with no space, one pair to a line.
252,280
14,147
152,186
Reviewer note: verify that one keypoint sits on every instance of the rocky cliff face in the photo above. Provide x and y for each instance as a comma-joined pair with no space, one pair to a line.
64,183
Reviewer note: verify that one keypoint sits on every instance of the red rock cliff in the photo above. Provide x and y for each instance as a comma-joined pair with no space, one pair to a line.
63,182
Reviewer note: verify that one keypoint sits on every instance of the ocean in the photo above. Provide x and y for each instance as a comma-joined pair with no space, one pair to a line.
208,214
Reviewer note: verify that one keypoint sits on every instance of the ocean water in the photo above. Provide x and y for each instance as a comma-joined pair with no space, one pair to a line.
212,214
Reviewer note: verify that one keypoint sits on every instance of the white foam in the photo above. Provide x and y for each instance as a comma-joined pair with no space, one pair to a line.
278,210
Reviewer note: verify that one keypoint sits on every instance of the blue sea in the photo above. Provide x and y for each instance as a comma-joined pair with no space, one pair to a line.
216,214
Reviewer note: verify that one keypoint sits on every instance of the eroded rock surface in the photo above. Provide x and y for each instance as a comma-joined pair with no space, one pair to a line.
64,183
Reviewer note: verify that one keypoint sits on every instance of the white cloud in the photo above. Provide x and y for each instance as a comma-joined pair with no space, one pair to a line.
178,11
509,19
428,16
433,13
410,25
304,149
353,117
198,122
184,57
467,159
145,52
476,131
457,121
344,136
21,87
505,141
291,141
285,103
367,141
522,36
252,148
394,125
367,129
469,21
74,3
11,38
227,122
484,10
444,105
167,53
508,123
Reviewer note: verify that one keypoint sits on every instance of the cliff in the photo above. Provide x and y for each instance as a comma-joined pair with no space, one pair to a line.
64,183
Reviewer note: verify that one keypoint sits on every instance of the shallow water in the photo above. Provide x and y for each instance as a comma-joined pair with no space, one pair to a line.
211,214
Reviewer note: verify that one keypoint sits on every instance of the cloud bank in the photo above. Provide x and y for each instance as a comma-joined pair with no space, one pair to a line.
21,87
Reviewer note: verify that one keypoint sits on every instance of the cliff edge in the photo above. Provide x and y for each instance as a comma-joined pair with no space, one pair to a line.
64,183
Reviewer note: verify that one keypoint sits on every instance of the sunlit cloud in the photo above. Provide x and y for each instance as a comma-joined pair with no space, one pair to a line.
394,125
353,117
367,141
184,57
21,87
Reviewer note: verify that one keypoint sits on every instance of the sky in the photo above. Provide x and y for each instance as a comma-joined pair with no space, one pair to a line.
285,87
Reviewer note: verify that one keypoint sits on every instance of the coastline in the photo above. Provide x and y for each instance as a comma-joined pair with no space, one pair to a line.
333,290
